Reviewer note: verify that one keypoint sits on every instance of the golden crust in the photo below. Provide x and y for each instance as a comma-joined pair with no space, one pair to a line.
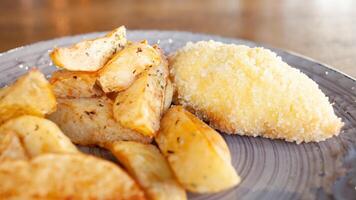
66,176
90,55
71,84
31,94
251,91
90,121
148,166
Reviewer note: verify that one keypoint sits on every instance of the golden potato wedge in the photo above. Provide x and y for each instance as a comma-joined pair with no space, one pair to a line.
38,136
168,95
140,106
148,166
121,71
89,121
70,84
11,147
90,55
197,154
66,176
31,94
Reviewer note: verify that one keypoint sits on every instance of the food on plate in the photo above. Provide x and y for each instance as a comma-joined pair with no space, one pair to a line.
90,121
35,136
66,176
11,147
152,172
31,94
71,84
121,71
198,155
251,91
168,95
140,106
90,55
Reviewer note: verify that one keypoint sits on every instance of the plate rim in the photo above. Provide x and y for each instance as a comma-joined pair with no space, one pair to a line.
293,53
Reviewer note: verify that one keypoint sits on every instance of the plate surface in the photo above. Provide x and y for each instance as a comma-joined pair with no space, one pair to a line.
270,169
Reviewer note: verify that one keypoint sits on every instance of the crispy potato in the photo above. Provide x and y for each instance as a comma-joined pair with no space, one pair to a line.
140,106
89,121
147,165
168,95
121,71
31,94
38,136
90,55
11,147
197,154
70,84
66,176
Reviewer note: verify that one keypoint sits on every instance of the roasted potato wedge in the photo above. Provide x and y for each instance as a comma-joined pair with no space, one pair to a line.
38,136
197,154
140,106
121,71
148,166
168,95
66,176
31,94
89,121
11,147
70,84
90,55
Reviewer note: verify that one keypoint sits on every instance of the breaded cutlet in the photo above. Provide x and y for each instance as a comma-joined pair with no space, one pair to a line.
251,91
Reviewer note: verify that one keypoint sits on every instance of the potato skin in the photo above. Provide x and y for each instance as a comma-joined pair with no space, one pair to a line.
38,136
90,55
66,176
197,154
71,84
125,66
89,121
140,107
148,166
31,94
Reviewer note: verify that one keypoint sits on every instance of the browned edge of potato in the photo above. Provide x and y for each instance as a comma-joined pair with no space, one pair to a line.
198,155
122,70
90,121
74,84
66,176
31,94
36,136
148,166
141,105
90,55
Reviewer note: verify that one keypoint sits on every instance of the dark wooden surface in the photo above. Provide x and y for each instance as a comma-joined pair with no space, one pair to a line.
321,29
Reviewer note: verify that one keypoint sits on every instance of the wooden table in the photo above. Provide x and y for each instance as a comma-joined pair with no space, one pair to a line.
321,29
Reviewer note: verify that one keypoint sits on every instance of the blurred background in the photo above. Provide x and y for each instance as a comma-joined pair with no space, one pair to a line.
322,29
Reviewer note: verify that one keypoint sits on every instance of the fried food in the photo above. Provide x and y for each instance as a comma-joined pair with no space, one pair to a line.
251,91
66,176
90,121
70,84
31,94
33,136
198,155
121,71
11,147
139,108
90,55
168,95
147,165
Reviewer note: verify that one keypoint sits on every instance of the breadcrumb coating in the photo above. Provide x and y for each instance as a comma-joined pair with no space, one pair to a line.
251,91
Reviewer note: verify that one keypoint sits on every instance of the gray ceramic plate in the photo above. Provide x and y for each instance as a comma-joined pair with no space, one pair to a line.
270,169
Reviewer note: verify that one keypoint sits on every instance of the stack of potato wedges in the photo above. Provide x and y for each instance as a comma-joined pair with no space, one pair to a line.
115,94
